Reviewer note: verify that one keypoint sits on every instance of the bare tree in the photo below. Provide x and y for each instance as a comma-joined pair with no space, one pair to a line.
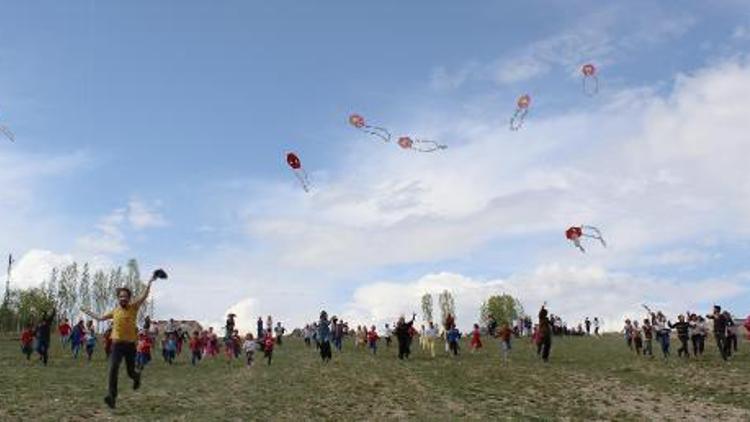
427,307
447,304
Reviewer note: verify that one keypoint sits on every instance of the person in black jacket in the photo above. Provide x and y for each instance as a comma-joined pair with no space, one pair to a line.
682,328
720,330
43,335
545,332
403,335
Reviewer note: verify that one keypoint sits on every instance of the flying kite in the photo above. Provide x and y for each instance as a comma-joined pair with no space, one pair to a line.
8,134
522,109
420,145
590,80
296,165
575,233
359,122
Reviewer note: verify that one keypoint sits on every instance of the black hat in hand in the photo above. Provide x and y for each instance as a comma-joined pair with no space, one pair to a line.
160,274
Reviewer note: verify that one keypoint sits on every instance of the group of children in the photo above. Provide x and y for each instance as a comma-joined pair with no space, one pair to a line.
323,332
80,336
691,329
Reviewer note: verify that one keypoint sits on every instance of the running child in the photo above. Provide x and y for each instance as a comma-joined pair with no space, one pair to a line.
143,350
171,347
249,347
453,338
268,343
90,339
27,340
196,347
372,340
476,339
505,334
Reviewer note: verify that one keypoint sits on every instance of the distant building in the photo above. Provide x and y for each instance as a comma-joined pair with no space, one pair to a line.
186,325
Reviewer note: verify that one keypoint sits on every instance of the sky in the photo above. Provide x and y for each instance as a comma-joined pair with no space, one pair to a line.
158,131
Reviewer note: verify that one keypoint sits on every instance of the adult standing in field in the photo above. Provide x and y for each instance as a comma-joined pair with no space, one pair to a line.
324,336
587,322
720,330
545,333
124,335
403,334
43,335
337,327
260,328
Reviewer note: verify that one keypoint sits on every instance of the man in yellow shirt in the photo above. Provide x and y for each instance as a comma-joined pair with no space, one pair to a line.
124,335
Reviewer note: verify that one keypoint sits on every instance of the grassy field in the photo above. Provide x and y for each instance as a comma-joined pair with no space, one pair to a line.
587,379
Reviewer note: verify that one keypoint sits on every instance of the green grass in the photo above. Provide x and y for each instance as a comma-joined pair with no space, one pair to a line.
587,379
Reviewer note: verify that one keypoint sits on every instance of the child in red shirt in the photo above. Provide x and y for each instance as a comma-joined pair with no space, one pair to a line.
476,339
504,335
196,345
143,355
64,330
372,339
268,346
27,338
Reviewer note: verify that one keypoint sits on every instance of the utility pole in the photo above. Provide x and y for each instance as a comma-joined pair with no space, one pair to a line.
5,308
6,299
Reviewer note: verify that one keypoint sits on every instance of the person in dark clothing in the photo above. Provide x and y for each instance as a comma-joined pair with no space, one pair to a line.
403,334
491,326
545,333
260,328
682,328
229,327
720,330
43,335
587,322
324,336
730,344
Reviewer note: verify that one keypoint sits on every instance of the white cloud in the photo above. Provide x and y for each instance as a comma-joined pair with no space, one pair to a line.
643,161
142,216
571,292
599,37
35,266
652,171
109,236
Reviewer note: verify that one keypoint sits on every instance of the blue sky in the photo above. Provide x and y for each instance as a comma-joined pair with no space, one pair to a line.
157,131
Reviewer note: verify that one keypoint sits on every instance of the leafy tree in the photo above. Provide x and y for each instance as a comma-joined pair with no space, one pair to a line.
447,304
31,304
505,308
427,307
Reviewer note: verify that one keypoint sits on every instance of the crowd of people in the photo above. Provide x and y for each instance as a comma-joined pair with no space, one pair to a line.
692,331
123,340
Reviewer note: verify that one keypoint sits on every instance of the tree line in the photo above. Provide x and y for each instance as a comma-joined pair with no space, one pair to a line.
67,289
504,308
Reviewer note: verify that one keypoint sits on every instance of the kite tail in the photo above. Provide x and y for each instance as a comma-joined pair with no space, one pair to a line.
432,146
380,132
517,120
